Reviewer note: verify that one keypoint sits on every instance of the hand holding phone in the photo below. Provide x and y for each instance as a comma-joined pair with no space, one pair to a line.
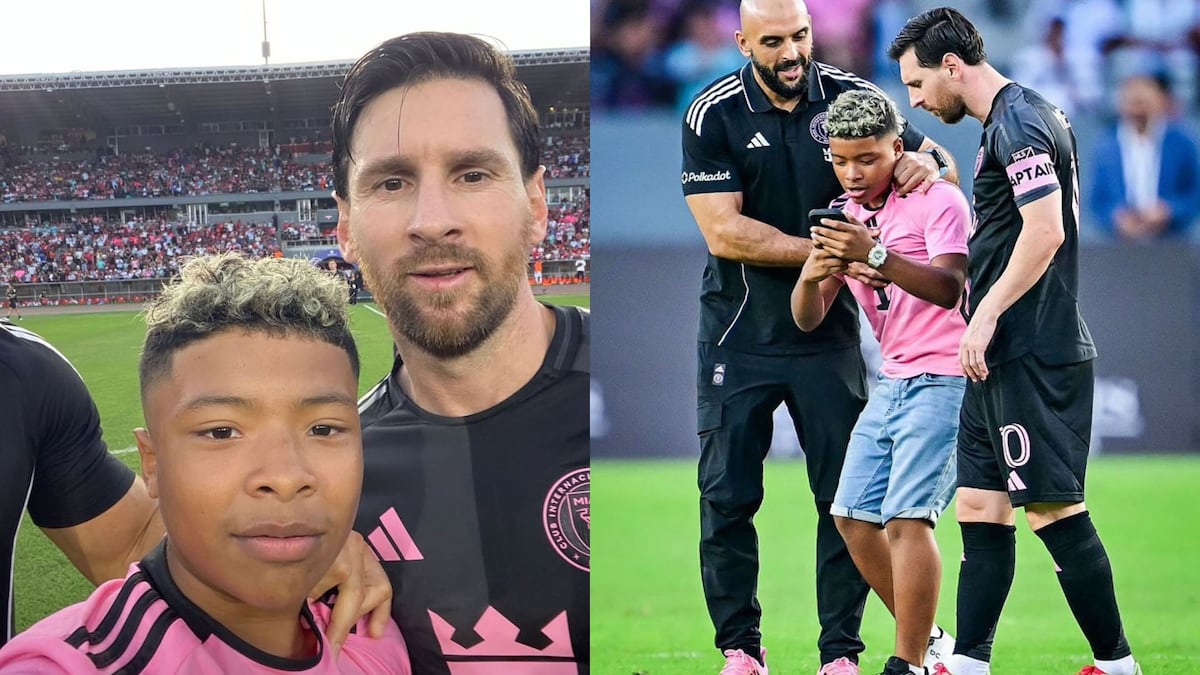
815,215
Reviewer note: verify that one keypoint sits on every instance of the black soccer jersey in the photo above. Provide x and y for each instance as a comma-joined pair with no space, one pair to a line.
52,457
736,140
1027,152
482,523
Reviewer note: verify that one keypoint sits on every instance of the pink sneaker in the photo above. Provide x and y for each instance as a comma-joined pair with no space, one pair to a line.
842,666
738,662
1095,670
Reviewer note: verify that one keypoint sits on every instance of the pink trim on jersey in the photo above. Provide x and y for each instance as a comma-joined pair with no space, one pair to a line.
1031,173
916,336
43,649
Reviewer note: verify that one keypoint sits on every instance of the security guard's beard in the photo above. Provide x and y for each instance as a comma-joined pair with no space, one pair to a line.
452,323
770,76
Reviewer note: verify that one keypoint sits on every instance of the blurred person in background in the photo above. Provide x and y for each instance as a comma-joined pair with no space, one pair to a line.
1146,169
703,51
1046,68
626,70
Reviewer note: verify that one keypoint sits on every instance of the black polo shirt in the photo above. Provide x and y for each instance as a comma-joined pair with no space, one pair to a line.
736,140
52,457
1027,152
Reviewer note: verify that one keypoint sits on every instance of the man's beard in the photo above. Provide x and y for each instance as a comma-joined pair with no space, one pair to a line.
954,112
771,78
428,319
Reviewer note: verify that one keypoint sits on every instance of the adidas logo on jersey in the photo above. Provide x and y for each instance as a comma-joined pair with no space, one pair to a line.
758,141
391,540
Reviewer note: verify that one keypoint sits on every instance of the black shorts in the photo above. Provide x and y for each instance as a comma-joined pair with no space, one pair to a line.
12,303
1026,430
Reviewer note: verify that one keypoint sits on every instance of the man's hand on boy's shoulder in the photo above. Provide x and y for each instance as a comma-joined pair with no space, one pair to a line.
363,589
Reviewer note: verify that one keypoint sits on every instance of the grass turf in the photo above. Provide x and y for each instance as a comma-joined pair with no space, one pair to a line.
649,618
104,347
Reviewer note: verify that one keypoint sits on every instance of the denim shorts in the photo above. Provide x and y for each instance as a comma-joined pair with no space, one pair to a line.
901,462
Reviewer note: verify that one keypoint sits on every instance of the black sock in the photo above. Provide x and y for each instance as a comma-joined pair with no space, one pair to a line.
1086,579
984,579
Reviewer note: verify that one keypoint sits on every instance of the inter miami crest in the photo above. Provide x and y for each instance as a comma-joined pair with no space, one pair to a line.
568,518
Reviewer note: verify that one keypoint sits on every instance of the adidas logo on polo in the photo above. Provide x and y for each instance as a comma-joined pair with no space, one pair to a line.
758,141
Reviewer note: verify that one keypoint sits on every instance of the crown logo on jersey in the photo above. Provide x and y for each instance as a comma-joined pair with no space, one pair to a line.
500,638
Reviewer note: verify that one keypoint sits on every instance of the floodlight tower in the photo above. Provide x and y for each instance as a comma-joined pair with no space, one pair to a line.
266,44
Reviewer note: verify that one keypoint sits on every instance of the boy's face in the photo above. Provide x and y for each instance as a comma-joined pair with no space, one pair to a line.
255,454
864,166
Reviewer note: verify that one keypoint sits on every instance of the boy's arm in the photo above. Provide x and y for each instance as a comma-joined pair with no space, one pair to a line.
940,282
815,289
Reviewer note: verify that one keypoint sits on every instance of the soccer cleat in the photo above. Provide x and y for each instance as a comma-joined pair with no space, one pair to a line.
941,646
898,666
738,662
842,666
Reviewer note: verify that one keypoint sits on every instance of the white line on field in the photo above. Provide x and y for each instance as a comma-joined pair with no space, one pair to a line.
124,451
376,311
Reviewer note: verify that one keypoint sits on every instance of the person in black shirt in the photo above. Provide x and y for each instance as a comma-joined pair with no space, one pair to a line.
11,295
1026,417
86,501
755,161
476,490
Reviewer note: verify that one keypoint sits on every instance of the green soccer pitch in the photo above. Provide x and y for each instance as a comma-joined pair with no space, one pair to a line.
648,614
104,347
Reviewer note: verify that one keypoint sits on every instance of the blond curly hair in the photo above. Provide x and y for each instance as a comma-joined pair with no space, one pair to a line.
279,296
862,113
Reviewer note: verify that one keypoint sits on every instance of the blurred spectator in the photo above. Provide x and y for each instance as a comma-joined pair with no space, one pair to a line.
1147,171
1045,67
839,32
889,16
1157,36
705,50
625,66
1090,28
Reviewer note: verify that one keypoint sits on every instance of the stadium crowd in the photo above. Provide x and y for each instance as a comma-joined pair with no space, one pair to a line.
199,170
206,169
91,249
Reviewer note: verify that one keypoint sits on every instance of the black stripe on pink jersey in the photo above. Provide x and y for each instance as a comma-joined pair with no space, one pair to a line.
109,621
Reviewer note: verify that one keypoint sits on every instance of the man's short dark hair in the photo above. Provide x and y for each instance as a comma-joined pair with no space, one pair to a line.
422,57
937,32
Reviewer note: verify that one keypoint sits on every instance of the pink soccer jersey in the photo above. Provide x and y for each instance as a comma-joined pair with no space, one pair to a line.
916,336
144,624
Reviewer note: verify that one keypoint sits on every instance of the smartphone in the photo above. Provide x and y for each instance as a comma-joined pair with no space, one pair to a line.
816,215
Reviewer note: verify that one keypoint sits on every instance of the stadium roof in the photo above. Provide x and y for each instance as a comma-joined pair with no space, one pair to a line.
102,100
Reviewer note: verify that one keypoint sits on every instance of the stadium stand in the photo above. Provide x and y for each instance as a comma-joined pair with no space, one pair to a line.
108,179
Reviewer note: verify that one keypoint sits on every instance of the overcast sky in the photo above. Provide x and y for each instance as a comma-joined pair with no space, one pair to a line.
57,36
